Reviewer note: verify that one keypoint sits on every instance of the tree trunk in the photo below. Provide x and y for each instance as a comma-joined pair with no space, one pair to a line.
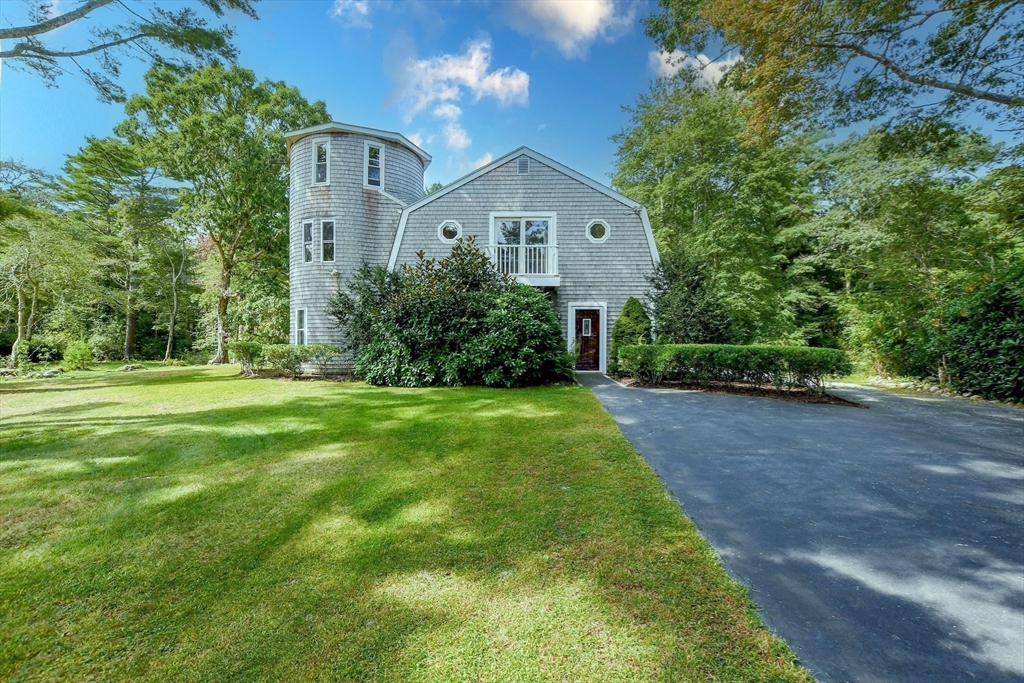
174,315
22,325
222,311
31,315
129,331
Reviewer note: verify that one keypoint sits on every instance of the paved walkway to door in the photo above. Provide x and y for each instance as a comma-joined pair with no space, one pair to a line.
884,544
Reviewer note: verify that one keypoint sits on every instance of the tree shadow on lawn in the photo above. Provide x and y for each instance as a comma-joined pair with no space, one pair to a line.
358,533
105,379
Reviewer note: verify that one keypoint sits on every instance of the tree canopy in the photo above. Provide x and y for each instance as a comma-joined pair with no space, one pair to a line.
851,61
163,31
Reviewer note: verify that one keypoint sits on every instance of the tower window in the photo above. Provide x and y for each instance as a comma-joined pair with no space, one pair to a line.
307,242
327,241
321,163
374,165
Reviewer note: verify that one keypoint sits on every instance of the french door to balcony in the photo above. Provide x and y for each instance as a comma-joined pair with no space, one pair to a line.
523,246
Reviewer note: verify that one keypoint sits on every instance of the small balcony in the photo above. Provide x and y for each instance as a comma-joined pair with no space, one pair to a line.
531,264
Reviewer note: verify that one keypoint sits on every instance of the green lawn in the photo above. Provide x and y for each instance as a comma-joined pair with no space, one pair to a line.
188,524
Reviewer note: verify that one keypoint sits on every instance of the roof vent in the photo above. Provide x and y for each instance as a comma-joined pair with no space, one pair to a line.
524,165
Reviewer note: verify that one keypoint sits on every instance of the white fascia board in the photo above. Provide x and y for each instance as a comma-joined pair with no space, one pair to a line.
334,127
650,236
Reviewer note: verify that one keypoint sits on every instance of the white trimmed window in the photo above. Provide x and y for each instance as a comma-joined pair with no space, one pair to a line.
300,326
321,163
327,241
597,231
449,231
374,165
307,242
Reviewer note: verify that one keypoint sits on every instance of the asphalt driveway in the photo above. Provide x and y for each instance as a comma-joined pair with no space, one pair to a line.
884,544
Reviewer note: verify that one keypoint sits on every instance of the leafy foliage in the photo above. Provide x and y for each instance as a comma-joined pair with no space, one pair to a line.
247,354
980,336
633,326
455,321
320,356
858,61
77,356
185,36
686,307
762,365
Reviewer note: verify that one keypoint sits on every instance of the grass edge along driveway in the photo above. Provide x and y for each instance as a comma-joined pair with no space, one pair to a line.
189,524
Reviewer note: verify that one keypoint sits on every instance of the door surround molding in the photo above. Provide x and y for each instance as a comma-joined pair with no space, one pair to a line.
570,327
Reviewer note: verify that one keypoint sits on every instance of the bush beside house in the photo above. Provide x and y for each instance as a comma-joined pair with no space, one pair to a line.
454,321
633,326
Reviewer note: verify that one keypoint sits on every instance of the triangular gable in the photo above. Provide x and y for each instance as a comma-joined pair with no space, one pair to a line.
536,156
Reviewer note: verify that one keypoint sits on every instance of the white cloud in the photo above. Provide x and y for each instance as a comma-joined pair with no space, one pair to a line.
447,111
353,13
416,139
706,71
456,137
423,82
572,25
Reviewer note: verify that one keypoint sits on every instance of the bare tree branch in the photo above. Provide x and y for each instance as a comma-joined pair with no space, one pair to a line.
51,24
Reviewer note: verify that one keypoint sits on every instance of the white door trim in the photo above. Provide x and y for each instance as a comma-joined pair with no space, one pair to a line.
602,307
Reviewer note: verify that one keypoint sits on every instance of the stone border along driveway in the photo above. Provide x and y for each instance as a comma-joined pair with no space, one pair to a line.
884,544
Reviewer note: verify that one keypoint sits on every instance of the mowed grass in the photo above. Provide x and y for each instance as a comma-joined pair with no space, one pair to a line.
188,524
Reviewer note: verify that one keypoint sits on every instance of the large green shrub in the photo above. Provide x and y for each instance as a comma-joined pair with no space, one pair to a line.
980,337
247,354
453,321
633,326
77,356
320,356
762,365
285,357
686,307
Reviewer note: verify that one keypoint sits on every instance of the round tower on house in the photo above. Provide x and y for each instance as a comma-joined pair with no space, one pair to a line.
348,186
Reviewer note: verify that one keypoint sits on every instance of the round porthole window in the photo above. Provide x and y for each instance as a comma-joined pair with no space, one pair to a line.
449,231
597,231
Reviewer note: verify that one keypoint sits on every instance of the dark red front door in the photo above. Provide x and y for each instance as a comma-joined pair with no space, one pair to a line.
588,339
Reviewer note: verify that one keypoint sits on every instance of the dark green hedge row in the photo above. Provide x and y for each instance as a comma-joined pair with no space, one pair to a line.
702,364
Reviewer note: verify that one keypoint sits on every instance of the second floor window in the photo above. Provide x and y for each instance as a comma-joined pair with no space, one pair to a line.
374,165
327,241
321,171
307,242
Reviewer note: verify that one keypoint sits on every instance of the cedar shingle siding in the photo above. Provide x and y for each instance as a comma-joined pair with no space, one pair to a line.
366,221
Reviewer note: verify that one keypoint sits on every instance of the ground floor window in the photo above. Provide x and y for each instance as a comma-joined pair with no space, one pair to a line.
300,326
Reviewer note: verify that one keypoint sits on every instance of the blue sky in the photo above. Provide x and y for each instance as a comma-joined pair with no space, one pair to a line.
469,80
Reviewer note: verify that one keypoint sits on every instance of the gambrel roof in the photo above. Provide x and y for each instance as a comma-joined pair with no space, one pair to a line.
536,156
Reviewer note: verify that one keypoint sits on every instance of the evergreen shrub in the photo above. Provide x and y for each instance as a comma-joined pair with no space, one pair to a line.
633,326
77,356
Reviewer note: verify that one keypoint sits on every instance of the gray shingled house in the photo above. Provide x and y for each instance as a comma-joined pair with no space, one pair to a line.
356,196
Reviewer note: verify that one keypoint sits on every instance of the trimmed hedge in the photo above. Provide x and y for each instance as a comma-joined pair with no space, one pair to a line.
761,365
283,357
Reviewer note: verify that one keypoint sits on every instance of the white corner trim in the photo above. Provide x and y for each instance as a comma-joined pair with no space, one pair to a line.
398,239
650,235
458,228
607,231
570,328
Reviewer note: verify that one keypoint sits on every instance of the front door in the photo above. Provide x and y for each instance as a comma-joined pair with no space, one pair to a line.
588,339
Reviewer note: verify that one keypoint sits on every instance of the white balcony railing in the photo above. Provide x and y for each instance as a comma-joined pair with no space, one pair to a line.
525,261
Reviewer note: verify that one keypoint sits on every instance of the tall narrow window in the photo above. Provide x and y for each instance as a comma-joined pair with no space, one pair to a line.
374,165
321,172
300,326
307,242
327,241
